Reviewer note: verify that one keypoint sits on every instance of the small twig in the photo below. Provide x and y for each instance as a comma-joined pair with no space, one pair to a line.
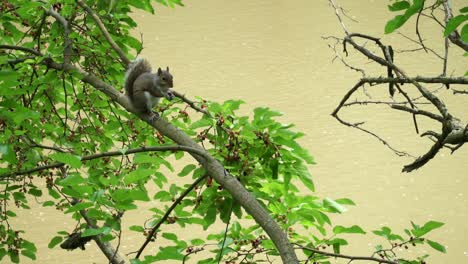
417,27
418,112
104,31
351,258
190,103
168,212
220,256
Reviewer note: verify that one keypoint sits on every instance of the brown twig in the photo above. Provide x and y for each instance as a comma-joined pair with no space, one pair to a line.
342,256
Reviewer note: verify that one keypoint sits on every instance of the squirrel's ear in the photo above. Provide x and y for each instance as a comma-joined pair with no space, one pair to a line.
167,68
159,71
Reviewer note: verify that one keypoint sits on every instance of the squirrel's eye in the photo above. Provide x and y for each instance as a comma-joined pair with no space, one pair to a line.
163,79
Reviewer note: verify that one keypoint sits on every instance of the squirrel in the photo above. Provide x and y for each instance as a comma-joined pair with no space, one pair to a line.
144,89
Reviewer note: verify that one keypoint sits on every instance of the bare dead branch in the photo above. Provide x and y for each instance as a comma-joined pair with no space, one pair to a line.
418,112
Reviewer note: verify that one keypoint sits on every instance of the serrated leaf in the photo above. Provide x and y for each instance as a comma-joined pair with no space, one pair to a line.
67,158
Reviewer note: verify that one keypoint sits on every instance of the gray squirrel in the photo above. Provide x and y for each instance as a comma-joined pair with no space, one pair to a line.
144,89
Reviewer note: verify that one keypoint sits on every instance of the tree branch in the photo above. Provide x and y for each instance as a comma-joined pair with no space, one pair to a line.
441,80
104,31
12,47
418,112
109,154
212,166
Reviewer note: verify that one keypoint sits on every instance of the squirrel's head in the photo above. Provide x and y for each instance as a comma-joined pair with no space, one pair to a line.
165,77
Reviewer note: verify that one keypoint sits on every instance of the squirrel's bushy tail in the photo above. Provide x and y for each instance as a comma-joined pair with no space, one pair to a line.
138,67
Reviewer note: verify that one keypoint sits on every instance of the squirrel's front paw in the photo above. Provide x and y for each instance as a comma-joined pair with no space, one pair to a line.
153,116
170,95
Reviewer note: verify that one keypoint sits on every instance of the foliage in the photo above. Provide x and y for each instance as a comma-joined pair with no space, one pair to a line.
412,8
52,122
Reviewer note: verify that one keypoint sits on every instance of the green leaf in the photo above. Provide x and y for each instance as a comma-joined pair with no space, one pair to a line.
137,175
345,201
137,228
186,170
305,176
170,236
72,160
163,196
29,254
79,206
166,253
197,242
96,231
334,205
464,33
464,9
274,168
394,23
35,192
399,20
130,195
13,256
454,23
350,230
429,226
55,241
144,5
53,193
48,203
210,217
71,180
436,246
28,246
400,5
